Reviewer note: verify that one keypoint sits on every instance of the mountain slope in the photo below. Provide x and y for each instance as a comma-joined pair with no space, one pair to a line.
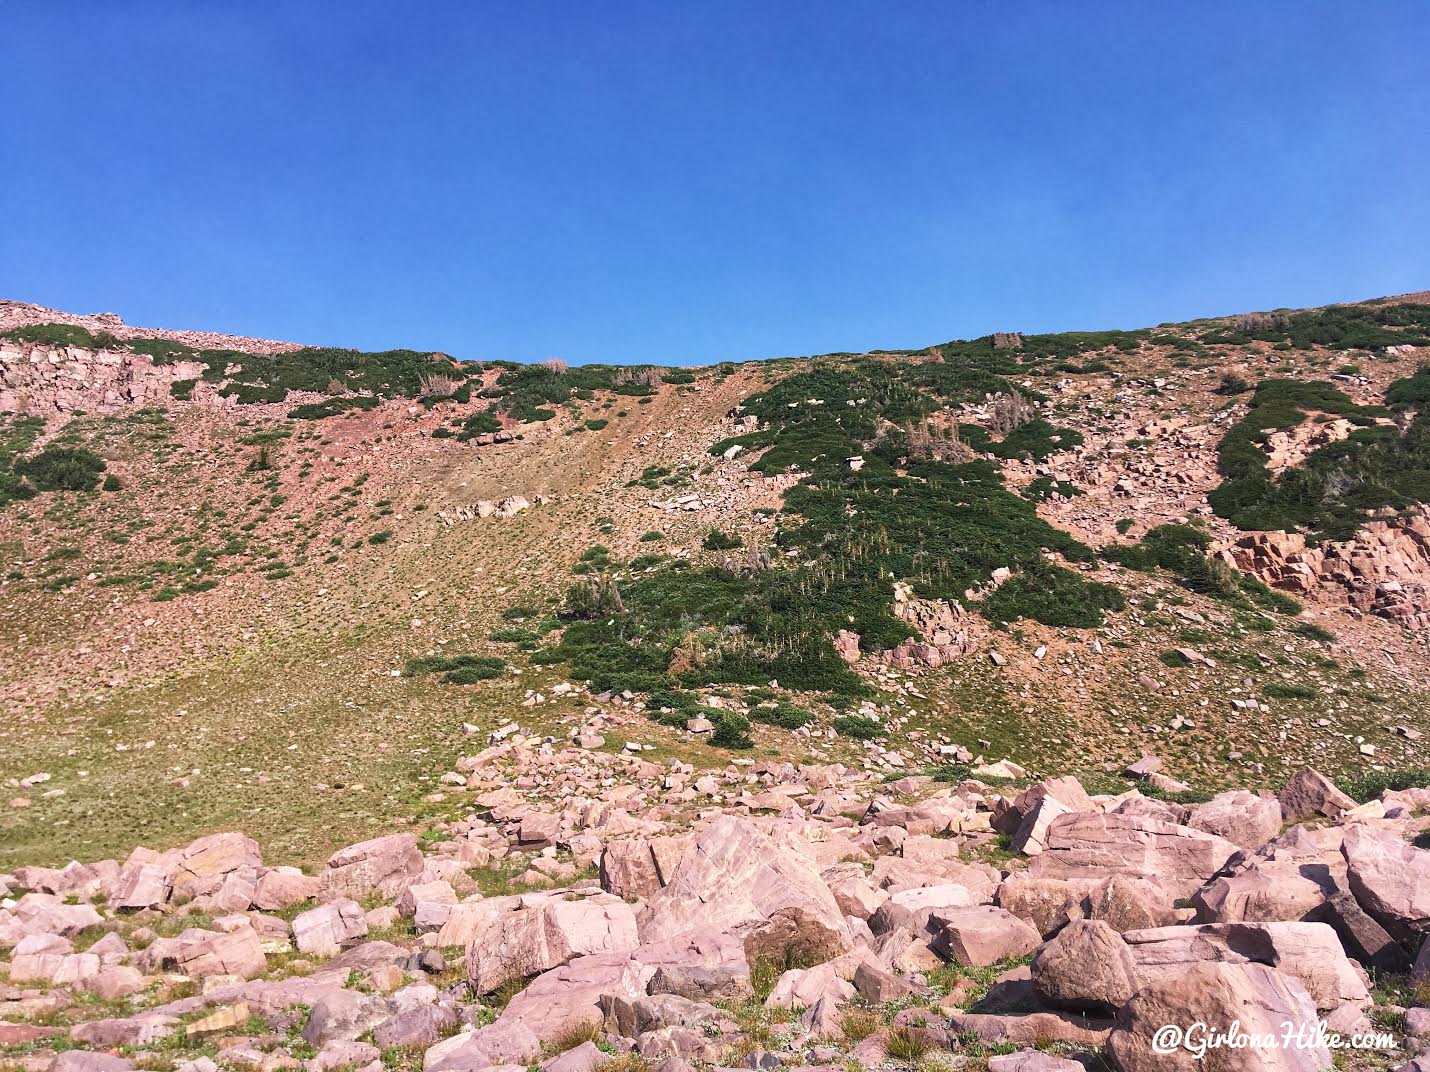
1014,547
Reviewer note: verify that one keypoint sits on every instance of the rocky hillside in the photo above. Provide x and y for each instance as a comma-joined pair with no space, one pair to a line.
260,584
993,705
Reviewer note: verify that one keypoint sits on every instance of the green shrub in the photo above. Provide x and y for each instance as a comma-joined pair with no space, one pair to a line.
1045,487
944,528
1370,785
782,714
480,423
1337,486
858,727
1053,595
731,731
1312,631
1182,551
1037,440
715,540
332,407
111,483
457,669
1280,690
1340,327
62,469
58,335
470,674
1233,383
380,537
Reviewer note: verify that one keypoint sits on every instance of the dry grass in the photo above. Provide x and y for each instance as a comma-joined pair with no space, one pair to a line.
907,1044
858,1024
571,1036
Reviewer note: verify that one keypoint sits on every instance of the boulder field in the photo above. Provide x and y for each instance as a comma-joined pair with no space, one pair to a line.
600,909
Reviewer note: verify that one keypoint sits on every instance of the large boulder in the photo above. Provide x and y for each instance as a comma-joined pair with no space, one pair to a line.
427,904
88,1061
545,932
344,1015
1256,998
206,864
1245,819
804,988
735,877
1309,795
981,935
638,867
1094,845
1032,1061
44,913
1362,937
853,892
1125,904
910,910
1086,967
1287,879
283,887
1031,836
569,997
1308,952
507,1044
142,883
1390,879
940,858
1043,902
237,952
329,928
384,865
1010,813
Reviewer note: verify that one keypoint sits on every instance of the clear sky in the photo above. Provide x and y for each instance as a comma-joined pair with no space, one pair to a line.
691,182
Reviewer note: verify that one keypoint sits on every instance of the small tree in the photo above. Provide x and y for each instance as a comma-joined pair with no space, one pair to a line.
594,597
1009,413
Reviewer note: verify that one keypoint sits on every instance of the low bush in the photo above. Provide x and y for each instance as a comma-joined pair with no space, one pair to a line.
732,731
332,407
457,669
1370,785
858,727
781,713
1280,690
62,469
1053,595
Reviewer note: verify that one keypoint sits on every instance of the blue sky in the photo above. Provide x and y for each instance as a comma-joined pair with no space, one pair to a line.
695,182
